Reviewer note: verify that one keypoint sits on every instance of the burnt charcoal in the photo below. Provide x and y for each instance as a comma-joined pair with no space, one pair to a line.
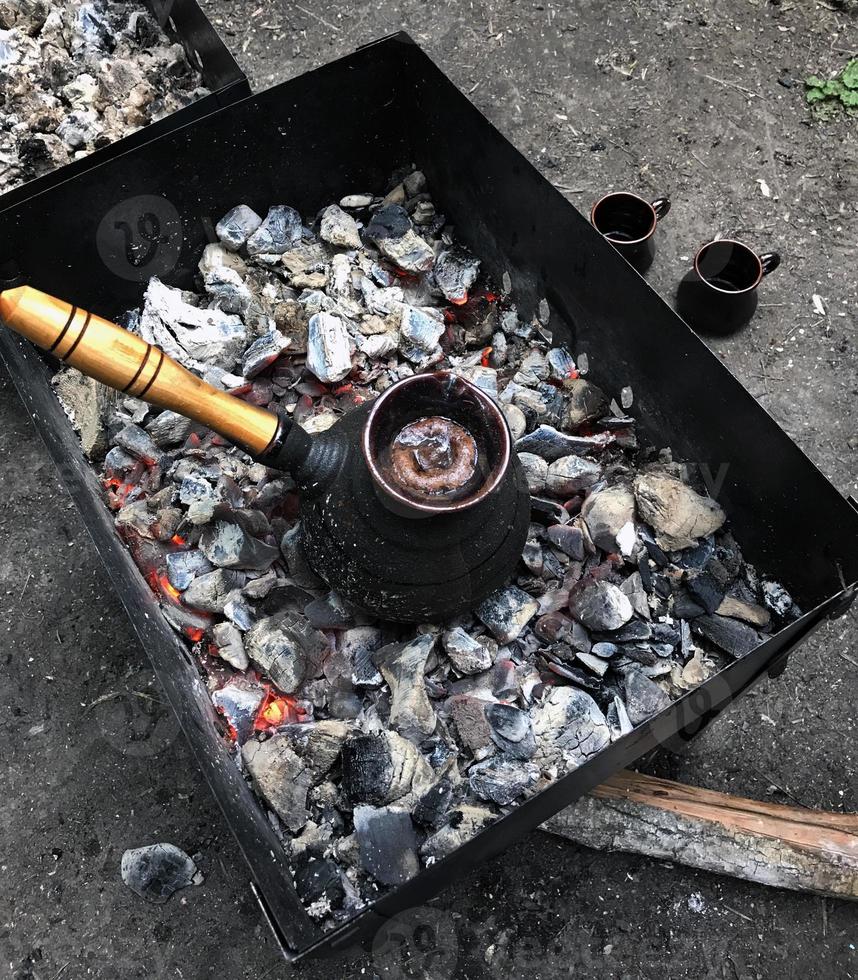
469,655
319,743
469,716
593,662
634,589
139,444
328,350
280,777
433,805
532,557
705,590
678,515
515,420
601,607
535,471
547,442
263,352
392,231
230,645
184,566
585,404
686,644
669,633
734,638
684,607
300,570
578,677
331,612
388,843
239,701
607,514
236,227
697,556
569,728
168,429
456,270
748,612
364,671
568,538
158,871
652,548
501,779
633,631
618,718
344,704
239,612
338,228
644,662
605,649
420,330
210,591
511,730
261,586
570,475
507,612
378,769
317,878
643,697
402,666
776,598
390,221
227,545
277,650
548,511
464,822
281,229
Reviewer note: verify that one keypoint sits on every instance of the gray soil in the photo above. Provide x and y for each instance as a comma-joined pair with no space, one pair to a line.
700,101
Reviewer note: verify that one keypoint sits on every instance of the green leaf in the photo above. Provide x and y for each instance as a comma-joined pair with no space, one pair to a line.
849,77
834,88
814,82
815,95
850,98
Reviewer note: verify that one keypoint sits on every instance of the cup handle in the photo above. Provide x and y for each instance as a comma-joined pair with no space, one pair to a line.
661,205
769,261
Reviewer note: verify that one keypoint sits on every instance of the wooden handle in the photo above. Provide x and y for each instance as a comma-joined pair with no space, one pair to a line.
117,358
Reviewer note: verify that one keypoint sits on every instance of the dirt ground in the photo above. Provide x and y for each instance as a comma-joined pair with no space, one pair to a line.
700,101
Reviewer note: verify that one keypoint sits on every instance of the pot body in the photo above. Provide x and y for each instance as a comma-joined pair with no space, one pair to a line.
406,568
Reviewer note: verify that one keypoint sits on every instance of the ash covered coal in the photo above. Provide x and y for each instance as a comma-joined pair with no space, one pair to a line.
75,76
379,749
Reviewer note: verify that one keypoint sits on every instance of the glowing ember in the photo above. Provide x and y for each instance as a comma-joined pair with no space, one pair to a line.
277,710
177,539
460,300
487,353
194,633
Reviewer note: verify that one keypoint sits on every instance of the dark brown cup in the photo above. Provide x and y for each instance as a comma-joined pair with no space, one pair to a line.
629,222
718,295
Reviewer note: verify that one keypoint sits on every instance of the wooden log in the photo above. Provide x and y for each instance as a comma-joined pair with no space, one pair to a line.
781,846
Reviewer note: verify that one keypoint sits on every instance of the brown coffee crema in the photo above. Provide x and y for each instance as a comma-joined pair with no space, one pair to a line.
433,456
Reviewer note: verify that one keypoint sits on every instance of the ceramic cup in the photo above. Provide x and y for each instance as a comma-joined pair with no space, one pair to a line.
629,222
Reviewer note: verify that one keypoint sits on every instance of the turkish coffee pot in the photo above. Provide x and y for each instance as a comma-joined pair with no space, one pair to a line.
414,506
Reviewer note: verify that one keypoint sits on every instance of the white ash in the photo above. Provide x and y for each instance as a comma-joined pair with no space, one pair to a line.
75,76
381,748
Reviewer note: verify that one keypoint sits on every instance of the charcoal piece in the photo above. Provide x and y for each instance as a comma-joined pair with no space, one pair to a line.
678,515
392,231
331,612
684,607
734,638
532,557
535,471
467,654
316,878
585,402
239,612
139,444
280,777
469,716
502,780
570,475
776,598
328,350
420,330
263,352
210,591
664,633
433,805
169,428
568,538
697,557
281,229
547,442
184,566
578,677
344,704
414,183
604,649
319,743
227,545
601,606
261,586
618,719
300,570
511,730
646,664
281,651
402,665
230,645
356,201
748,612
548,511
686,644
390,221
634,631
456,270
594,663
338,228
569,728
643,697
507,612
388,844
607,513
464,822
236,227
378,769
239,701
705,590
158,871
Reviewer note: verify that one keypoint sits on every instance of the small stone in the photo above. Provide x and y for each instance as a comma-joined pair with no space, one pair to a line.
606,514
237,226
158,871
502,780
328,350
643,697
281,229
228,545
678,515
338,228
507,612
388,844
570,475
467,654
601,606
280,777
356,201
535,472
